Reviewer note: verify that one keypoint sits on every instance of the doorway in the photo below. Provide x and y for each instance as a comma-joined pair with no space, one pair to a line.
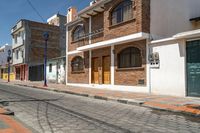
193,68
106,70
95,70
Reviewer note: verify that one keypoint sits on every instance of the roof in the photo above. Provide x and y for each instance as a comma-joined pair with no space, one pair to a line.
195,19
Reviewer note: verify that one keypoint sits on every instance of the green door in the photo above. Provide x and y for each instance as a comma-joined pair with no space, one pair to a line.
193,68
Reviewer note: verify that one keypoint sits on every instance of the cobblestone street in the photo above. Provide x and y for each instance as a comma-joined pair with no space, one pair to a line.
51,112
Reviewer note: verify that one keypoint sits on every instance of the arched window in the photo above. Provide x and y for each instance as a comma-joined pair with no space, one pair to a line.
77,64
129,57
122,12
78,33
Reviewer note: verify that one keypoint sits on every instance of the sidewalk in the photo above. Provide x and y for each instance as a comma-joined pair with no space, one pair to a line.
10,125
189,106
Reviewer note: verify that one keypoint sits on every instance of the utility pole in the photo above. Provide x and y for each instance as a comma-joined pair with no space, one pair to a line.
8,60
46,37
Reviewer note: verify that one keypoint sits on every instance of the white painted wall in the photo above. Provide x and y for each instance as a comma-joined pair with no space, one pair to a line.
169,79
52,75
58,71
4,54
21,55
169,17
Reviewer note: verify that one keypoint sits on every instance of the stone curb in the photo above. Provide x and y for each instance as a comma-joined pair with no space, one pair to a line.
119,100
171,110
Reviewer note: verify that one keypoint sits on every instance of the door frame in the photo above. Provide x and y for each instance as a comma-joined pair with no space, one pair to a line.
102,68
186,67
92,68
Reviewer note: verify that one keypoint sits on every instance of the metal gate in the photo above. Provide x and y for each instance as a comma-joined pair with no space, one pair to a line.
193,68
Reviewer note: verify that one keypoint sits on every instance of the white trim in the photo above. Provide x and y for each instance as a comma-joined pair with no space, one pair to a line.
195,39
182,35
116,41
148,71
112,66
90,66
162,40
139,89
66,72
73,52
188,34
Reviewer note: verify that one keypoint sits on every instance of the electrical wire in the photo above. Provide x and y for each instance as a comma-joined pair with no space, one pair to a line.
36,11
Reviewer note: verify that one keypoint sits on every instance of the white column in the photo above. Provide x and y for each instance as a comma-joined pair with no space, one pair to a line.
66,73
90,51
148,71
90,66
112,66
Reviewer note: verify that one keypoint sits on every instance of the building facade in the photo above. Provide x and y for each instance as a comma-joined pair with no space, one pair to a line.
4,63
112,44
28,48
56,70
107,50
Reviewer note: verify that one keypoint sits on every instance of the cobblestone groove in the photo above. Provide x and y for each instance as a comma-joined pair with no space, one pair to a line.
51,112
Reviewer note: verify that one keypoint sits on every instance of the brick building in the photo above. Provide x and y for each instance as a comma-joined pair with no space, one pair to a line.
107,44
111,44
28,46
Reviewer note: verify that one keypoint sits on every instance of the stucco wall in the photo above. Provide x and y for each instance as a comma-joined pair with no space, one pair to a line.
169,79
169,17
4,54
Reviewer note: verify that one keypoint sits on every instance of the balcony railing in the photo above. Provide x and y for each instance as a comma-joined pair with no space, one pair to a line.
84,40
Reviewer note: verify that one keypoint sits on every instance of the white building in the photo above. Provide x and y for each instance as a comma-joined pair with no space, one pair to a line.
177,69
173,24
4,54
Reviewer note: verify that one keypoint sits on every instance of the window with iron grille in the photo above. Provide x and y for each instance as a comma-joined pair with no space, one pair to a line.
77,64
122,12
130,57
78,33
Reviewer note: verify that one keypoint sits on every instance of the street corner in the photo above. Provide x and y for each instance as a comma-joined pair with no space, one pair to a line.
9,125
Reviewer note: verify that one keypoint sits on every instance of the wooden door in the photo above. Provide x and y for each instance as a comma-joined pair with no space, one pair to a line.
106,70
95,70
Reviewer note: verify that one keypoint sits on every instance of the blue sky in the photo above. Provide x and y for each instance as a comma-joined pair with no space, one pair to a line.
13,10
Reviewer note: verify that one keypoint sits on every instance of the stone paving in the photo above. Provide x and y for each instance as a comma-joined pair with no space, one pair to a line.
177,104
9,125
52,112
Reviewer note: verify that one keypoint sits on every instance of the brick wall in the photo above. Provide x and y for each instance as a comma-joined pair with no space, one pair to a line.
72,45
139,23
79,77
97,23
37,43
131,76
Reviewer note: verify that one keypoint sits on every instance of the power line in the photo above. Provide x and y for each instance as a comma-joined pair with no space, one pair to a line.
35,10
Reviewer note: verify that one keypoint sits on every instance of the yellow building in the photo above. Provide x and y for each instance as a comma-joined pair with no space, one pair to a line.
4,73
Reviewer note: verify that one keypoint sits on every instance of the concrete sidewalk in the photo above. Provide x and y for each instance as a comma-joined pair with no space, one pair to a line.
189,106
9,125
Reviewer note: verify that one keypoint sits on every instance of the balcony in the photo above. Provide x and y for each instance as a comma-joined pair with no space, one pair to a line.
94,36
